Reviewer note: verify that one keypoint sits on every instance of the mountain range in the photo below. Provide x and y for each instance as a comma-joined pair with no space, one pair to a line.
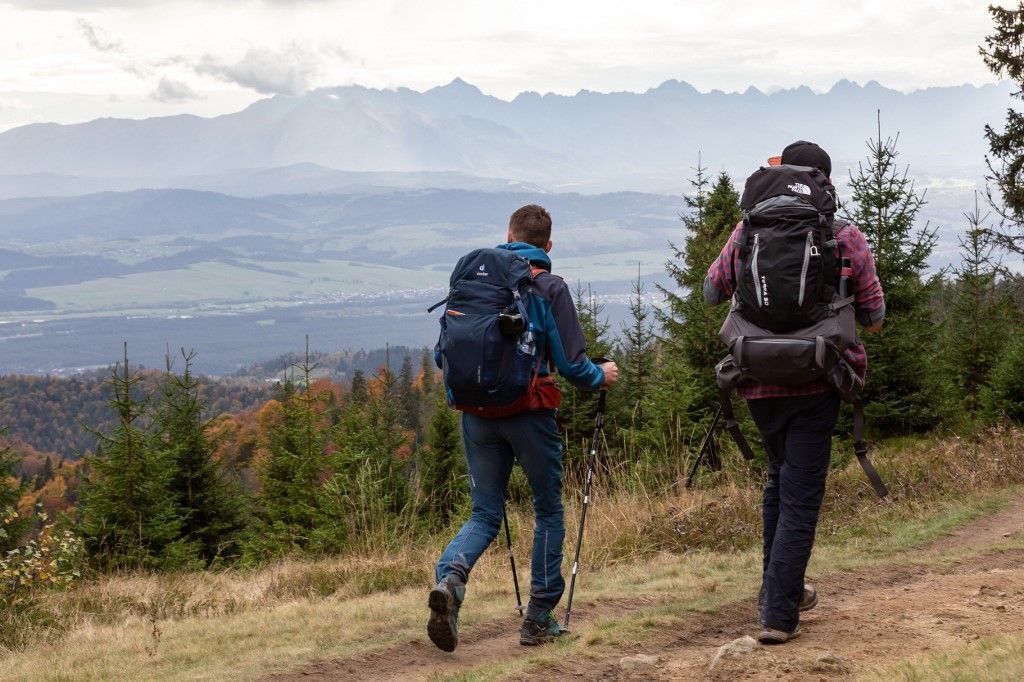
353,137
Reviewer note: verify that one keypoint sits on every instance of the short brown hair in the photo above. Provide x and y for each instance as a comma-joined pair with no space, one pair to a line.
531,224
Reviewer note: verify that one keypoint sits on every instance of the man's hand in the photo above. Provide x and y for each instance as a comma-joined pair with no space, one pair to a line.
611,372
873,329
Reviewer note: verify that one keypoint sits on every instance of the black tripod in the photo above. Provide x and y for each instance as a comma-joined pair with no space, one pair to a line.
706,447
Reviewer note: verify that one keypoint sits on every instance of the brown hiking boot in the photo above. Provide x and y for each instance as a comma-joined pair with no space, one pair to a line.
809,599
773,636
444,602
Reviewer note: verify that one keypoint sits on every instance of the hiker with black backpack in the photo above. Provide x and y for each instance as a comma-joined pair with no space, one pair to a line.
797,277
507,321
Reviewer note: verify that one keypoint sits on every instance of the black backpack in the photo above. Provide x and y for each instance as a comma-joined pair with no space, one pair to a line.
787,248
489,355
792,313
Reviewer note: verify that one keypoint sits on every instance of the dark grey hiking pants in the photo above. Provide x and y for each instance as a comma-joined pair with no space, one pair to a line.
797,435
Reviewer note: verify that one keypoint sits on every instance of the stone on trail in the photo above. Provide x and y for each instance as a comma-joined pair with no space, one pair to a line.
737,647
830,663
638,662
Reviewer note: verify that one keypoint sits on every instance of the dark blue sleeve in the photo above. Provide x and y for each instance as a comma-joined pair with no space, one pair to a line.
566,343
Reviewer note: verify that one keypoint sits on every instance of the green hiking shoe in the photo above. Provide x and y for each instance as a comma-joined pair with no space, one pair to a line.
444,602
540,631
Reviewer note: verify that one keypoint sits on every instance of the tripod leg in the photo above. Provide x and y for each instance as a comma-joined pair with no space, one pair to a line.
703,448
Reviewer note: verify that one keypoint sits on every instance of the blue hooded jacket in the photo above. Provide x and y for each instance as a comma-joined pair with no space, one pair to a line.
556,326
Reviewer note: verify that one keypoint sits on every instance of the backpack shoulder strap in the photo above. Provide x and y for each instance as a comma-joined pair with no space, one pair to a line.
744,236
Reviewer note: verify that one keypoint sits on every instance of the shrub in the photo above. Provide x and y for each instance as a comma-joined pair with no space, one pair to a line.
50,560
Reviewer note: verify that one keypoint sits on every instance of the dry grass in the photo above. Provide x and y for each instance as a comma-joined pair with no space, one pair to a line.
993,659
232,624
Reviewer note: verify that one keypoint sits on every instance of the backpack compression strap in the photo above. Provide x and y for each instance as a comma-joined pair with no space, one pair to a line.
860,448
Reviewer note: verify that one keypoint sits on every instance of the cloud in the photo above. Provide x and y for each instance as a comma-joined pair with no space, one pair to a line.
170,90
72,5
45,5
97,37
291,71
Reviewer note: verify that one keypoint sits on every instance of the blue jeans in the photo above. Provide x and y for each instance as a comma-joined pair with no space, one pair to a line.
492,446
797,435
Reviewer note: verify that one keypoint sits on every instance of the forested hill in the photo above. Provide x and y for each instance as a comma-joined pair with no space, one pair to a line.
58,415
338,366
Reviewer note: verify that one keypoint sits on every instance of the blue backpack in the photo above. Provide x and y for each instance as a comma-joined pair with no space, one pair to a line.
488,353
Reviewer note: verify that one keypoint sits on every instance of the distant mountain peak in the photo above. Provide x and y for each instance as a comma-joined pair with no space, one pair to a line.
874,86
591,139
457,85
844,85
675,87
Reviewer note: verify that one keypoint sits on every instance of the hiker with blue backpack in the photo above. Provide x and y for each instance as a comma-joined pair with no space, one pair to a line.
507,322
798,278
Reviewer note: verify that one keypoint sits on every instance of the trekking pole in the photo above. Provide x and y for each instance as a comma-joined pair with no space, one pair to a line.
591,461
512,558
703,448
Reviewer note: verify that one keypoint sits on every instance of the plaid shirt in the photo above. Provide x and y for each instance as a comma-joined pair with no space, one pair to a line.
868,302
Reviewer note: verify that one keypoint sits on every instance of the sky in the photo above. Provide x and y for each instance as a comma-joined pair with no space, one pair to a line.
74,60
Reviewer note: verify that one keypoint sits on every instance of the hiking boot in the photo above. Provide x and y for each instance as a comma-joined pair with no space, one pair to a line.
444,602
540,631
773,636
809,599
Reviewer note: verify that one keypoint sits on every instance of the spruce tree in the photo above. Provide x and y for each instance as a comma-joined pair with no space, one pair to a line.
578,405
443,472
358,393
367,489
211,505
691,348
289,496
406,396
1003,398
885,205
637,360
429,371
979,320
129,514
1003,54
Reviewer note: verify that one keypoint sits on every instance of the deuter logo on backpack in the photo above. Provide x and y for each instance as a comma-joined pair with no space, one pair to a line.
488,352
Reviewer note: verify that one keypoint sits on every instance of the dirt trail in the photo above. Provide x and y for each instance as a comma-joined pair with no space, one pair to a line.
864,619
